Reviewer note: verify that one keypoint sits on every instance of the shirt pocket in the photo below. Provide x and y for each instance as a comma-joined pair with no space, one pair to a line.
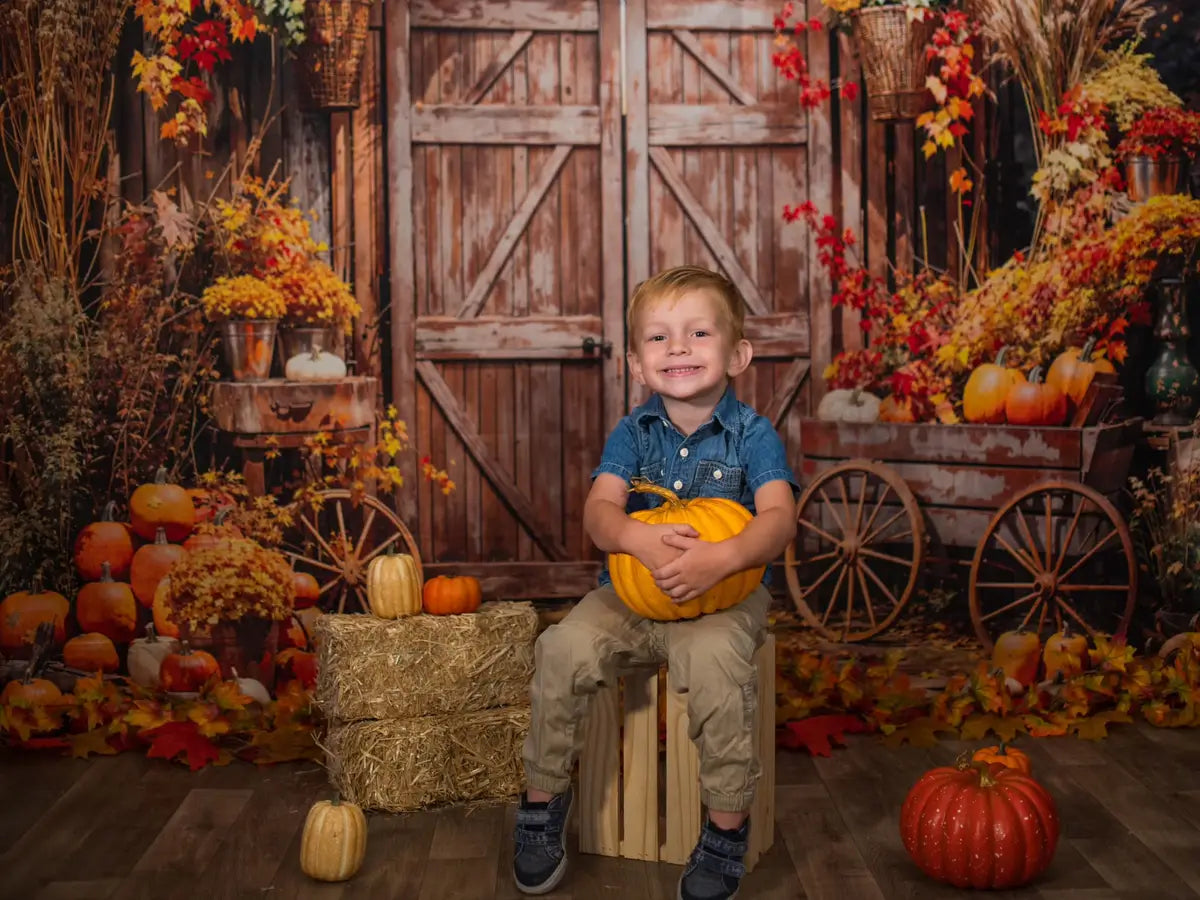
718,479
654,472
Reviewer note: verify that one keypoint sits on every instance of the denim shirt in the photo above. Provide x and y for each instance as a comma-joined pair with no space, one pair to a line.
731,455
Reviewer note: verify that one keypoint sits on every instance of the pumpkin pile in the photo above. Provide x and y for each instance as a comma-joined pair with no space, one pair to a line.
1021,657
395,589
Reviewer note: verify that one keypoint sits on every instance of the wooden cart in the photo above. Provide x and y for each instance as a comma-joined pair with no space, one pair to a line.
1039,505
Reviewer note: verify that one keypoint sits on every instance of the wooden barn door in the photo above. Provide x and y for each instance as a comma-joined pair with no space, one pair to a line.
715,146
507,283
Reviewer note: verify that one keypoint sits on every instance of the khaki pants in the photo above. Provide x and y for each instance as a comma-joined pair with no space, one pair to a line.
710,659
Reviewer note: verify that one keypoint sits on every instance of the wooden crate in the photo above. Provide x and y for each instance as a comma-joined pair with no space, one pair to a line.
620,813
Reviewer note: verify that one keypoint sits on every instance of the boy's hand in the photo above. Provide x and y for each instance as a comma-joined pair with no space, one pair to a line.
700,566
651,545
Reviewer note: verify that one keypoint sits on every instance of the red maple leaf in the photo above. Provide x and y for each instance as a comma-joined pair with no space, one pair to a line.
170,740
814,733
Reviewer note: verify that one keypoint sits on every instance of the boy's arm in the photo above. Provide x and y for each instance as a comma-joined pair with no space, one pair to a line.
767,535
613,531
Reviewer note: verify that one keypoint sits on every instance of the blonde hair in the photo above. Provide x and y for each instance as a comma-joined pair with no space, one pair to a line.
671,283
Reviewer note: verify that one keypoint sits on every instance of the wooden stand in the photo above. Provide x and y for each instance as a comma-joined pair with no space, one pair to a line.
276,415
618,772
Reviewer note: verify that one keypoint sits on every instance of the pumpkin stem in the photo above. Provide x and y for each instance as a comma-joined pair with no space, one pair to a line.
151,633
38,585
110,512
106,571
160,535
643,486
1035,375
160,477
316,352
985,776
218,519
1085,355
1001,354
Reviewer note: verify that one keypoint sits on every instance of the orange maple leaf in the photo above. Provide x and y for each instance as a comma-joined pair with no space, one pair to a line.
959,182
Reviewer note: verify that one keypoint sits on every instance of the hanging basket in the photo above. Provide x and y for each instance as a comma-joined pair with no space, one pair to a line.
331,55
892,49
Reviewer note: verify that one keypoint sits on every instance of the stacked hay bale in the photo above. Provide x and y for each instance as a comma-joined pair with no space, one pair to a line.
426,710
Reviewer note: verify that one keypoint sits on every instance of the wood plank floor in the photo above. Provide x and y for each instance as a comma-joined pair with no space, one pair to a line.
126,827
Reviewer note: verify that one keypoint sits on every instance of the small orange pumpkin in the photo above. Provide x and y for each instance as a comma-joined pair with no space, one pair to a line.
150,565
1035,403
308,591
108,607
187,669
160,504
1065,653
91,652
446,595
987,390
34,691
1073,370
1017,654
216,533
104,541
22,612
1004,755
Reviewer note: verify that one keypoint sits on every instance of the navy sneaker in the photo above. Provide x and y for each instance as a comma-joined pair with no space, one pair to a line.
540,844
714,871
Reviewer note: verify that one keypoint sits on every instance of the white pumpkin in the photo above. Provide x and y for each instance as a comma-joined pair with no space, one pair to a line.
252,688
317,365
849,406
146,656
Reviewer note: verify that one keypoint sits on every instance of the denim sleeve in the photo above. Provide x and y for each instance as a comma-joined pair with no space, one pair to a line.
620,455
764,456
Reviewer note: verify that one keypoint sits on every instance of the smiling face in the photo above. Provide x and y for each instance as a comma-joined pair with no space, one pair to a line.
683,348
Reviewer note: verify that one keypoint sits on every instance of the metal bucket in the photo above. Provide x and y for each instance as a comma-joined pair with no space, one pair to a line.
297,339
249,348
1147,177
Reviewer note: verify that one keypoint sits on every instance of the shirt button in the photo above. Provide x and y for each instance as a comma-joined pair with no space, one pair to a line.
679,485
717,474
683,451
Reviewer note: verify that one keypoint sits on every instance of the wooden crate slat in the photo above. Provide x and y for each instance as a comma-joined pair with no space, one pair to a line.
538,15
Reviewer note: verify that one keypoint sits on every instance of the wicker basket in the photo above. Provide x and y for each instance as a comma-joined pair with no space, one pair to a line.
332,52
893,59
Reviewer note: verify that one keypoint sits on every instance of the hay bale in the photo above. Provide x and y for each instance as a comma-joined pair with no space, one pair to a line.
371,668
399,765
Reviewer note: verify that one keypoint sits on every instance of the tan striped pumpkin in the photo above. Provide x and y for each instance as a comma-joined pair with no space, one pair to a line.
716,519
334,840
394,586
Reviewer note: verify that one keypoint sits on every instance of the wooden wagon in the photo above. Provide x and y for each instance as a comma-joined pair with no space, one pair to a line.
1040,507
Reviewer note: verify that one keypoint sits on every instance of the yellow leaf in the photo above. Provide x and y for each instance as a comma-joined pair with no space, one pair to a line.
937,88
929,148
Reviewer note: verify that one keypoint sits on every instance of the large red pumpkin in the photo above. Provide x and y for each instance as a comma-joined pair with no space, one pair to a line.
979,826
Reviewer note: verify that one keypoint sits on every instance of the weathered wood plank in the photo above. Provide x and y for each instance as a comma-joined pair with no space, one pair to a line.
524,580
828,864
502,337
637,146
778,334
342,193
277,406
512,232
713,15
708,230
538,15
1051,448
520,504
696,124
496,67
903,200
456,123
820,194
850,113
785,393
713,66
612,225
401,250
366,122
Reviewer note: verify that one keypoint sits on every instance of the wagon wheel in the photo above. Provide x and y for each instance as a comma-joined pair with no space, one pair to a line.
336,541
1057,552
858,549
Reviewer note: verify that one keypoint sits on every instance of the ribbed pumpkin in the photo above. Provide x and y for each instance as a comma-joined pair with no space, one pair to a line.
449,595
979,826
1073,370
217,533
187,669
104,541
160,504
1016,653
164,624
22,612
146,657
308,592
986,391
1004,755
715,519
1065,653
394,586
151,564
334,840
1035,402
108,607
91,652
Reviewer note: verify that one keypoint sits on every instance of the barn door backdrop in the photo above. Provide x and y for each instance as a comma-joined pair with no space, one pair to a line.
520,214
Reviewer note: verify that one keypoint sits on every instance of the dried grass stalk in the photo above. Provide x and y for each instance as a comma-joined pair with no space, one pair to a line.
425,665
399,765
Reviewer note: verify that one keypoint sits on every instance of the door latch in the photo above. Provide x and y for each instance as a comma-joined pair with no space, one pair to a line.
591,345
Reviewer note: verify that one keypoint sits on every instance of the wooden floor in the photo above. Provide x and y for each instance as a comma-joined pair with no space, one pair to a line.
124,827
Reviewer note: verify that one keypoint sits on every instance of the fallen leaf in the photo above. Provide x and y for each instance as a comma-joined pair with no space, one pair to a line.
921,732
815,733
1096,727
975,728
175,738
94,741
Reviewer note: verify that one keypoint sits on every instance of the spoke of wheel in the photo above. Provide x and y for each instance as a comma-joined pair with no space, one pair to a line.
879,583
1066,548
1039,603
1049,533
1003,585
862,499
327,585
1071,588
362,598
837,586
1007,607
342,599
812,559
342,528
829,503
1070,610
867,551
887,488
1079,562
374,553
849,602
296,557
845,499
866,594
1016,554
885,526
316,534
362,538
812,587
821,531
1033,550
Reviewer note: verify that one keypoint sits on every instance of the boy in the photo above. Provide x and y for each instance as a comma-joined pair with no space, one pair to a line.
694,437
